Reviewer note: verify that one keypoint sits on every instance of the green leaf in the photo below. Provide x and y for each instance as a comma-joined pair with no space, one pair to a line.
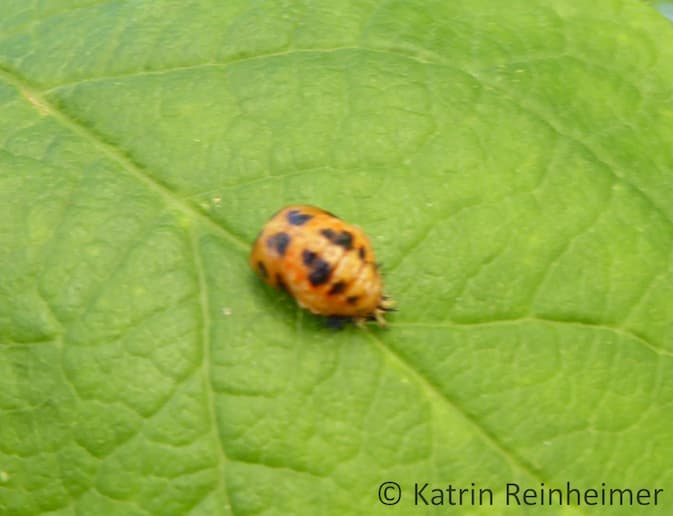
512,164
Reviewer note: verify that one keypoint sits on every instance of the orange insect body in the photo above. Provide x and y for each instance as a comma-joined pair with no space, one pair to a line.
327,265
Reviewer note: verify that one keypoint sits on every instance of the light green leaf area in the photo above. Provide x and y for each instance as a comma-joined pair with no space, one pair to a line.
513,166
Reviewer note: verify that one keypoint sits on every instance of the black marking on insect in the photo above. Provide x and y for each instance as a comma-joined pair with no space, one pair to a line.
297,218
342,238
362,252
308,257
262,269
337,288
320,272
280,283
351,300
337,322
279,242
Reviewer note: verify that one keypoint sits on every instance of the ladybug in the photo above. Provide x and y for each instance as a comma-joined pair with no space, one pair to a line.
326,264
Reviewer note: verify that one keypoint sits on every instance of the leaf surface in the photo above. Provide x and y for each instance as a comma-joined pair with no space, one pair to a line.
513,166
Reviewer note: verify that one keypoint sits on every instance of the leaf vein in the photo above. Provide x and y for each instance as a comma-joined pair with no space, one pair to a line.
116,154
206,369
511,456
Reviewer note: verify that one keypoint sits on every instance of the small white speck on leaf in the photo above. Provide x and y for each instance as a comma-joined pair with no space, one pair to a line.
41,108
226,311
4,476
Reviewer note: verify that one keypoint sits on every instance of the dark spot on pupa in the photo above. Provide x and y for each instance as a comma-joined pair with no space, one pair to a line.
345,240
280,284
297,218
308,257
278,242
329,234
337,288
342,238
351,300
362,252
320,272
337,322
262,269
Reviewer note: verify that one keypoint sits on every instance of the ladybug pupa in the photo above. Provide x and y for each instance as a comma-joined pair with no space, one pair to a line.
326,264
